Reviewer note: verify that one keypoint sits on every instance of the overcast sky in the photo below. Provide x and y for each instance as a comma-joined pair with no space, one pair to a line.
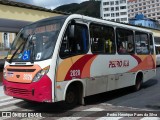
51,4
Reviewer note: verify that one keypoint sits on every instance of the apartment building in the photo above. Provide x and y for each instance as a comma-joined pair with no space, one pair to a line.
150,8
115,10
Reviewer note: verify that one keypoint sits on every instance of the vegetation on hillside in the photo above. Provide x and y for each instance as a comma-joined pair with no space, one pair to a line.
89,8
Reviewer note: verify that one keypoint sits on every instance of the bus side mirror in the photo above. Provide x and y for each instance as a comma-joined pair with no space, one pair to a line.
71,31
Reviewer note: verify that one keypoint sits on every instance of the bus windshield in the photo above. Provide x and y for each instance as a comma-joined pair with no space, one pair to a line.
35,42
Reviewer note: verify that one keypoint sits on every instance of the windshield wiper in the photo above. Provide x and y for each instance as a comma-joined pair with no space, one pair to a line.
23,43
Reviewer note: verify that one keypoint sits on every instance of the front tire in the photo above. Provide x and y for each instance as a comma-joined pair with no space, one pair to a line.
71,99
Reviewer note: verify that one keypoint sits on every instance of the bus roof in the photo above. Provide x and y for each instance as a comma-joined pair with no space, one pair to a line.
96,20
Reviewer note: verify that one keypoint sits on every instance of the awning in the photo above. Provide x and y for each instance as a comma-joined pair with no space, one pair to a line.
7,25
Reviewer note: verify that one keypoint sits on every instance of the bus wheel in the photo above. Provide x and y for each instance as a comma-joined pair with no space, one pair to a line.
138,83
71,99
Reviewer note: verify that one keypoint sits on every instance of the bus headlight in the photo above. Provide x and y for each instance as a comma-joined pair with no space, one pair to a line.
4,74
40,74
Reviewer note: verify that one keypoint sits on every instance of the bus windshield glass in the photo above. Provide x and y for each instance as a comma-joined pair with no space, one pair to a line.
35,42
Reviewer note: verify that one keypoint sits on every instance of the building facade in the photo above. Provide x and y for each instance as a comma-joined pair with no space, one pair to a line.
115,10
6,40
142,20
150,8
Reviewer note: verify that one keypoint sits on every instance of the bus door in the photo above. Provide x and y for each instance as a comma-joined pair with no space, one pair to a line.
73,51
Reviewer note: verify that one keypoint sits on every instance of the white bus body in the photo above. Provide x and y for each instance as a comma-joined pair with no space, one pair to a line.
84,60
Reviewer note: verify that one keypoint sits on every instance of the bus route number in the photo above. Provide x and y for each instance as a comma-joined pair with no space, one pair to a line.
74,73
27,77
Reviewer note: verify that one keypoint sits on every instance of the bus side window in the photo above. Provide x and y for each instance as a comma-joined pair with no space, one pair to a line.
102,42
75,44
125,41
142,43
151,44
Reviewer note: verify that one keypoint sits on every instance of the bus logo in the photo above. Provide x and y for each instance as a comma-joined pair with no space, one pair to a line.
17,76
118,63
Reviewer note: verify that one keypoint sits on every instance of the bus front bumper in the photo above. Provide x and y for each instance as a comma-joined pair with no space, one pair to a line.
40,91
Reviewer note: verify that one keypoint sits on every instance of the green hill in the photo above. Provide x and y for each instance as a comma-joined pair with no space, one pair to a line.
89,8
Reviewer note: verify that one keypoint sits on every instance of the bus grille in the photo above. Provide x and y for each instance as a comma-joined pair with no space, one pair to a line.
19,91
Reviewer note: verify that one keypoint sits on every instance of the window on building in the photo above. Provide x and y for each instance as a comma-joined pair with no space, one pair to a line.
144,7
116,2
112,3
123,19
122,1
144,3
140,8
117,14
106,9
112,14
102,42
123,13
122,7
112,8
106,3
142,43
153,5
124,38
140,4
152,1
157,0
106,15
117,8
